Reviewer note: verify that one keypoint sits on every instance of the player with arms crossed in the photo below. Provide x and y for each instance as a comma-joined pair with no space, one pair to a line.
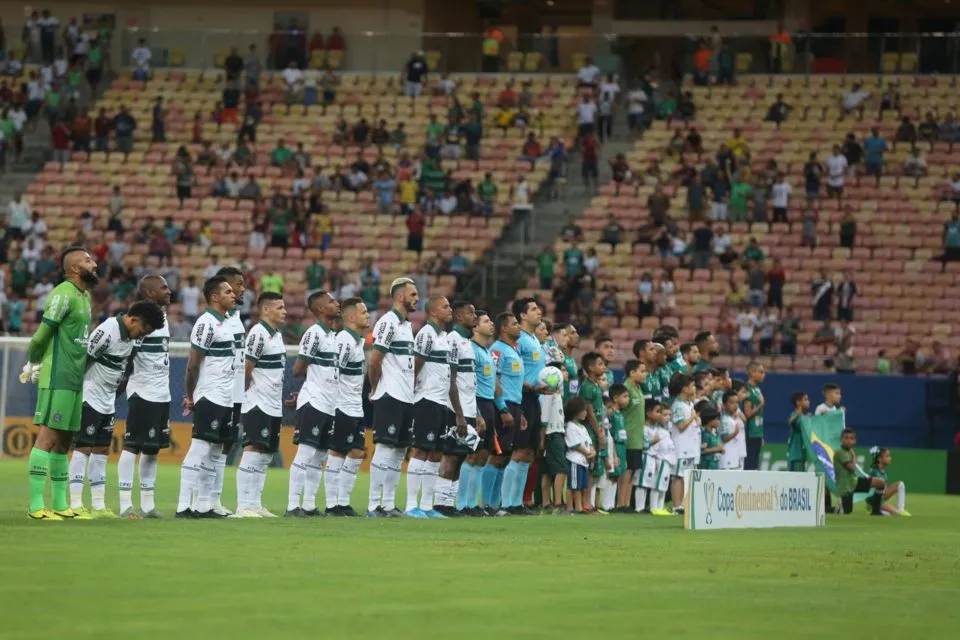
391,374
148,402
264,366
209,396
486,381
108,355
56,359
431,407
347,444
316,401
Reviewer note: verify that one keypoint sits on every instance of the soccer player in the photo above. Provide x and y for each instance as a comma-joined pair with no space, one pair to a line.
485,371
690,357
264,366
209,397
605,347
709,349
571,383
108,352
391,374
316,402
430,409
461,437
234,278
347,443
509,394
753,412
685,433
529,315
148,407
649,353
56,359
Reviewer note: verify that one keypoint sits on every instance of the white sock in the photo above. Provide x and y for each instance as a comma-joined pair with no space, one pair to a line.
445,494
592,492
656,499
379,465
190,473
148,482
298,473
901,497
392,480
265,460
246,477
415,472
331,480
78,472
640,496
609,499
125,468
219,467
431,472
206,478
98,480
312,479
348,478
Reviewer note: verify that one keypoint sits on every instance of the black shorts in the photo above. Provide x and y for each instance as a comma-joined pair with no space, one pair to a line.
212,422
834,192
148,425
312,427
635,459
234,430
488,411
430,421
184,192
449,444
846,501
505,436
347,434
530,438
554,456
392,422
96,429
261,430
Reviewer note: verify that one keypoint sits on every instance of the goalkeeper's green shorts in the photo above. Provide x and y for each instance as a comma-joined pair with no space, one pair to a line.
59,409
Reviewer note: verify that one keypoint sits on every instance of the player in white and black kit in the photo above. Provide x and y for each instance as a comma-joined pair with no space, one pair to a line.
209,396
315,402
264,366
415,75
347,444
234,278
431,408
108,352
391,375
461,437
148,407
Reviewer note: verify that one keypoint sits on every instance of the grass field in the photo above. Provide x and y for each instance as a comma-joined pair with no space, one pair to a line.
533,577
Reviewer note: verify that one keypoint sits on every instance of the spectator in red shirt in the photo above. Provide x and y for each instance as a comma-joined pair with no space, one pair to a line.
531,149
82,127
507,98
621,171
316,42
776,278
60,141
416,223
336,42
590,153
102,127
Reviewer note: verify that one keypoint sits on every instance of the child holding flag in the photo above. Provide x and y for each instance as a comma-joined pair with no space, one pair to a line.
796,452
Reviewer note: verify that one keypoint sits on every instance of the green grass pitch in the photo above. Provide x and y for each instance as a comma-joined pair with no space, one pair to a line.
533,577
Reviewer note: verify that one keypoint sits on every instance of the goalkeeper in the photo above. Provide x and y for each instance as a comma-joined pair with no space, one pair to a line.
57,361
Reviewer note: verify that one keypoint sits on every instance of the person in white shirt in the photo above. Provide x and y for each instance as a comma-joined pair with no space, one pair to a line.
610,88
264,367
915,165
41,290
141,57
36,228
588,73
18,215
685,433
580,452
836,173
853,100
190,300
60,66
732,432
780,198
586,116
746,326
31,252
636,100
446,85
293,84
660,460
46,75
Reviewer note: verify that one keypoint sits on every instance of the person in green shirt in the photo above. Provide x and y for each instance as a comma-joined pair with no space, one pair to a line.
54,100
57,359
13,310
316,275
711,446
709,349
649,353
573,261
884,366
850,479
796,452
567,338
280,218
487,192
594,367
739,201
271,282
753,252
20,277
545,262
882,460
619,402
281,155
689,358
435,131
753,412
370,294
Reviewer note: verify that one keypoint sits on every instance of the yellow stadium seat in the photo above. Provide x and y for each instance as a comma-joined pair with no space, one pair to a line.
744,61
908,63
220,57
178,57
433,60
514,61
334,59
317,58
890,62
532,61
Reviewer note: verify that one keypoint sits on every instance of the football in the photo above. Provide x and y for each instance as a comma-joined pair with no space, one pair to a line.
551,378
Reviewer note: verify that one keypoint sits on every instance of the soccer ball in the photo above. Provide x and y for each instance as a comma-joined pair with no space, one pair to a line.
551,378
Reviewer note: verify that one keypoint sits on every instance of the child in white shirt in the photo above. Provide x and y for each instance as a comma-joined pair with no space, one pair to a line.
580,452
685,432
659,462
731,432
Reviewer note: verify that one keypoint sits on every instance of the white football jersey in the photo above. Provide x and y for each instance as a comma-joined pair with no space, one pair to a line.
462,353
236,327
213,338
687,442
433,381
266,351
665,449
393,336
150,379
731,455
350,361
109,347
318,348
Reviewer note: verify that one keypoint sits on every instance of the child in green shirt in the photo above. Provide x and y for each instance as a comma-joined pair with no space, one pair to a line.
710,444
882,460
619,401
850,479
796,452
594,367
634,418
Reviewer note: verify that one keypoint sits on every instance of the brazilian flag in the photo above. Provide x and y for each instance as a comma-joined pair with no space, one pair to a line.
821,437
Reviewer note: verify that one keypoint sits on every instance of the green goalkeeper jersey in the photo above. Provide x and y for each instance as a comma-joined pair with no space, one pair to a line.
67,313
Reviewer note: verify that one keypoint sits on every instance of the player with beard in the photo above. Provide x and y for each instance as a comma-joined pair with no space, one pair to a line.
486,382
148,402
709,349
57,358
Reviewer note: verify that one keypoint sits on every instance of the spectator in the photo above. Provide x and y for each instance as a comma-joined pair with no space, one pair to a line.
883,365
667,302
848,229
19,214
753,252
808,232
846,293
590,158
789,331
747,325
586,117
853,152
183,172
822,290
723,247
281,155
398,137
190,300
102,126
605,116
571,232
949,128
645,304
915,165
812,174
767,325
658,204
612,232
159,245
118,251
889,101
124,125
778,111
780,43
271,282
938,361
906,132
740,192
776,278
826,334
874,148
703,240
609,305
60,142
756,283
416,224
621,172
41,290
140,58
695,198
780,196
636,101
591,263
588,74
929,130
293,84
720,195
415,75
854,100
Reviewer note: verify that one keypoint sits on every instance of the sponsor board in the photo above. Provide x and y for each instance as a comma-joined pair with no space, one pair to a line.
752,499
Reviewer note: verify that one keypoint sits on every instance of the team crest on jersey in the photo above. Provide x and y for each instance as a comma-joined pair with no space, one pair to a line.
57,417
265,432
349,438
487,370
214,424
152,433
391,430
515,366
536,355
315,431
91,429
430,437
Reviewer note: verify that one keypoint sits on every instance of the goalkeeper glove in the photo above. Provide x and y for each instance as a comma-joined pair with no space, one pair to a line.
30,373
